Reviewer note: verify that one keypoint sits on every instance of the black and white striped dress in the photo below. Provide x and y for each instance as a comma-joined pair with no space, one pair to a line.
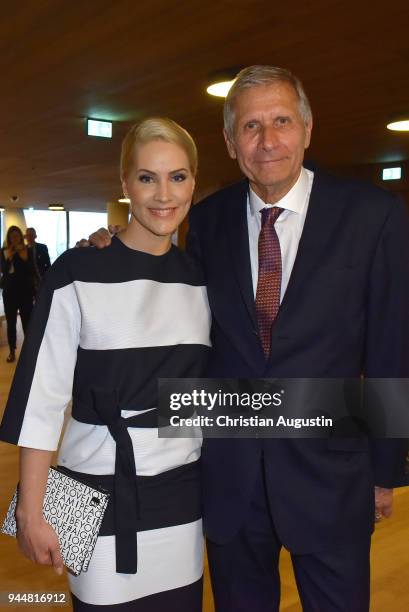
107,324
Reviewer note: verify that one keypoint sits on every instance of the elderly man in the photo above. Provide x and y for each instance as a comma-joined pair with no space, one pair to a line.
335,304
308,276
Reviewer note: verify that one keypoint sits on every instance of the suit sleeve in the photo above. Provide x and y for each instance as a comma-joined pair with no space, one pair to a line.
387,342
42,385
47,258
193,247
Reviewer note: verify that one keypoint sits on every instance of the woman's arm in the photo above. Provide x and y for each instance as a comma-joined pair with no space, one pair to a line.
6,257
36,538
7,253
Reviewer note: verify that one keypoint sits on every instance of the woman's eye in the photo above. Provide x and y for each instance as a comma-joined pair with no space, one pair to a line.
145,178
179,178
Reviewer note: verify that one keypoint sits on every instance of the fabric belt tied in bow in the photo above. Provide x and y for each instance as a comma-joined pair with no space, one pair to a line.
126,497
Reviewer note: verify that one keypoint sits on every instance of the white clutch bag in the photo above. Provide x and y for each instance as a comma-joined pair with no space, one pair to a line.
75,511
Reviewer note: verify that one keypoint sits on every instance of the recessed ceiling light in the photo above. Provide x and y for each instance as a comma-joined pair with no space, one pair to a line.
220,89
2,209
56,207
221,81
124,200
399,126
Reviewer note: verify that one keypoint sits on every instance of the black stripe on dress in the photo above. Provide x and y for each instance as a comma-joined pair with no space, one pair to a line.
112,265
133,373
167,499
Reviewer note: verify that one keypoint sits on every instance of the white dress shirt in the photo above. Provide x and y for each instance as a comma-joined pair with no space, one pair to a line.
289,225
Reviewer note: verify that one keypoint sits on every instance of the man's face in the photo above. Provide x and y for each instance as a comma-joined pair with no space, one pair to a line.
30,236
270,137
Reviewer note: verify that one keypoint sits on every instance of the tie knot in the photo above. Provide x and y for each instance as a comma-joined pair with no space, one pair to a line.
270,214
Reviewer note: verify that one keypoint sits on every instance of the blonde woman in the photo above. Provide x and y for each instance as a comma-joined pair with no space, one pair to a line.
108,323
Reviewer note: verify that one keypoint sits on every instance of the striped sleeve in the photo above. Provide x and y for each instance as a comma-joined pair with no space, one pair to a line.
42,385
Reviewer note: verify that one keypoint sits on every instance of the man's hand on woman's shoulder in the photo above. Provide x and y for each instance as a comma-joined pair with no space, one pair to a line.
101,238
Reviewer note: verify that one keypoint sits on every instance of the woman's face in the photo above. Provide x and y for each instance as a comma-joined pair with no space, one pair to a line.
15,238
160,186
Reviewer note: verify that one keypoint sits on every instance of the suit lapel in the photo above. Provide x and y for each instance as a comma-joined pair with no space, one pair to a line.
323,217
238,244
322,220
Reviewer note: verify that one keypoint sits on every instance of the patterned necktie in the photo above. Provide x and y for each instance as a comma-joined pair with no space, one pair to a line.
269,276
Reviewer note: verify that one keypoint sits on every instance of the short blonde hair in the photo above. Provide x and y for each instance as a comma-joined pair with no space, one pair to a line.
156,128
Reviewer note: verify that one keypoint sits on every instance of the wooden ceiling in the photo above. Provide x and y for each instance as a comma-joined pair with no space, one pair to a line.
62,61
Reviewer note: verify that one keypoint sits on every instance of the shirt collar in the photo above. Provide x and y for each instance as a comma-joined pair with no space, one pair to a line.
293,201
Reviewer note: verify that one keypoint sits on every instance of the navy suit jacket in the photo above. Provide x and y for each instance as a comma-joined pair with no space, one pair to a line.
345,311
42,258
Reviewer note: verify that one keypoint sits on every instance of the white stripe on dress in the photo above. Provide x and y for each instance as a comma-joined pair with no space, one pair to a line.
91,449
168,558
115,315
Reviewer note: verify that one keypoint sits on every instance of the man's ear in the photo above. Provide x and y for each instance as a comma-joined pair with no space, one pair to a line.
308,130
230,145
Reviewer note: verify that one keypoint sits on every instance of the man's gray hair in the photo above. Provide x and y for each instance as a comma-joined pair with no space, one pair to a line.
254,76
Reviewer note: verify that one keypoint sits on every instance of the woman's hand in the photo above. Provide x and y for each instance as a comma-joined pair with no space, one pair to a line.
36,538
39,542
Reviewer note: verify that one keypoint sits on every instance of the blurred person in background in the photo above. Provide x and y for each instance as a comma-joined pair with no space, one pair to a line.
41,257
18,279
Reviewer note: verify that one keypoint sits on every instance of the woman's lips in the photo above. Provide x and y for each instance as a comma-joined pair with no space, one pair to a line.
162,212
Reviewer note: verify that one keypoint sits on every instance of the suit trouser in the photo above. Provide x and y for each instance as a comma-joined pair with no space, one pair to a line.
245,575
13,302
